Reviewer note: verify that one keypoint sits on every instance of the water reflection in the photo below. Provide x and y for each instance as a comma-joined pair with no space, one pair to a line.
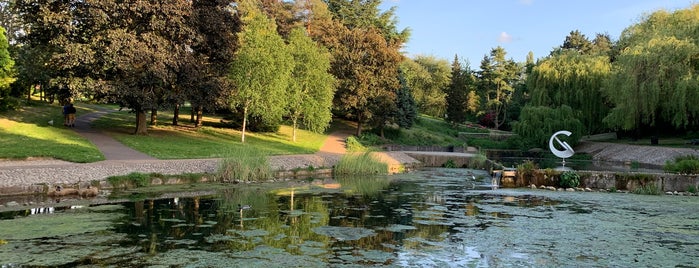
431,218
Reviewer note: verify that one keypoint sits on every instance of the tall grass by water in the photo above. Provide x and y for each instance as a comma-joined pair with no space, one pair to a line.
357,164
244,164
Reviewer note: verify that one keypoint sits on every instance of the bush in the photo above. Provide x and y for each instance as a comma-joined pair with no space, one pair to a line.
354,145
449,164
683,164
569,179
648,189
131,180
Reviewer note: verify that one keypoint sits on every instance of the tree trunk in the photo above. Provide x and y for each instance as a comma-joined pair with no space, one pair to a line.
198,121
176,115
191,118
141,126
359,126
154,117
245,121
293,131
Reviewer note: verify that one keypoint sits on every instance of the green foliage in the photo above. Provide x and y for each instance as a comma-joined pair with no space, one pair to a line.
575,80
311,90
406,112
450,164
569,179
654,80
648,189
527,168
262,67
538,123
354,145
692,189
462,82
132,180
356,164
498,80
688,164
244,164
427,76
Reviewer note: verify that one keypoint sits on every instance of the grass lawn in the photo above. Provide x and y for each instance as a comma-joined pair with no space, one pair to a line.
27,133
212,140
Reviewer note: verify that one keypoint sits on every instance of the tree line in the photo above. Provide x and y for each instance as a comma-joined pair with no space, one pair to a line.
264,60
307,60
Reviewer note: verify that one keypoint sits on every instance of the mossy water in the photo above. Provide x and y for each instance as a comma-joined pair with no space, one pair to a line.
429,218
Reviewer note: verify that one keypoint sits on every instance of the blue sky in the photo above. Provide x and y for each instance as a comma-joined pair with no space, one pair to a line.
471,28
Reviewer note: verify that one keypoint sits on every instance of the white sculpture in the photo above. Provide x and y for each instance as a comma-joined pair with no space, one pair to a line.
568,150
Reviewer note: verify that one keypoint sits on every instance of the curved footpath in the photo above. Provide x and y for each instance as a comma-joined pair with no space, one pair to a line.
26,176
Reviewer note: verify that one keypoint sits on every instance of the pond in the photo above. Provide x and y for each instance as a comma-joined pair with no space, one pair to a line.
427,218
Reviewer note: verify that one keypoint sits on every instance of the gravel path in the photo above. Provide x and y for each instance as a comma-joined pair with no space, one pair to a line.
651,155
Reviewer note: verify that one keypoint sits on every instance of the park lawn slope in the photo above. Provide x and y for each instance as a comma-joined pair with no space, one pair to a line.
212,140
27,133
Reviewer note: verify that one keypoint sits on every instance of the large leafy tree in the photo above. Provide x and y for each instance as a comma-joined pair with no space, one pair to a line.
654,80
427,77
144,49
569,78
365,46
262,67
216,23
497,82
538,123
312,88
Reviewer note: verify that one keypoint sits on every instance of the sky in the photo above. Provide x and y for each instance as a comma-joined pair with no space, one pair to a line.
471,28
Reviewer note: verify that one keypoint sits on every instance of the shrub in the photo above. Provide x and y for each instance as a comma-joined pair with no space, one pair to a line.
353,145
648,189
683,164
247,164
527,168
450,164
692,189
131,180
357,164
569,179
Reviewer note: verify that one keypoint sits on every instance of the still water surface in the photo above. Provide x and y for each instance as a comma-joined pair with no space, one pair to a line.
429,218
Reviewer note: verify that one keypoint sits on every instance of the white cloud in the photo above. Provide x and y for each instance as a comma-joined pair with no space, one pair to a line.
504,38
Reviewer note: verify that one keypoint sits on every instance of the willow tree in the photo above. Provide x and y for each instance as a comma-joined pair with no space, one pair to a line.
312,88
654,81
261,68
538,123
572,79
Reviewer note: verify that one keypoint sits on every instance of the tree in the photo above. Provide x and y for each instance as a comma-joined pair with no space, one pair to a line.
654,82
216,23
538,123
312,88
578,42
406,112
497,80
457,92
427,77
575,80
262,67
6,71
365,46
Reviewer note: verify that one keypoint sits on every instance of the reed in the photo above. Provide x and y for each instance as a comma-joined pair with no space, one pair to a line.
357,164
244,164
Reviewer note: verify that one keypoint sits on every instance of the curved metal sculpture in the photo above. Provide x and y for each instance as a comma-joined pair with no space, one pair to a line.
568,150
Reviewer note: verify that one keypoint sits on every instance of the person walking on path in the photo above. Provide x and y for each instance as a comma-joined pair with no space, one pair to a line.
65,114
70,111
